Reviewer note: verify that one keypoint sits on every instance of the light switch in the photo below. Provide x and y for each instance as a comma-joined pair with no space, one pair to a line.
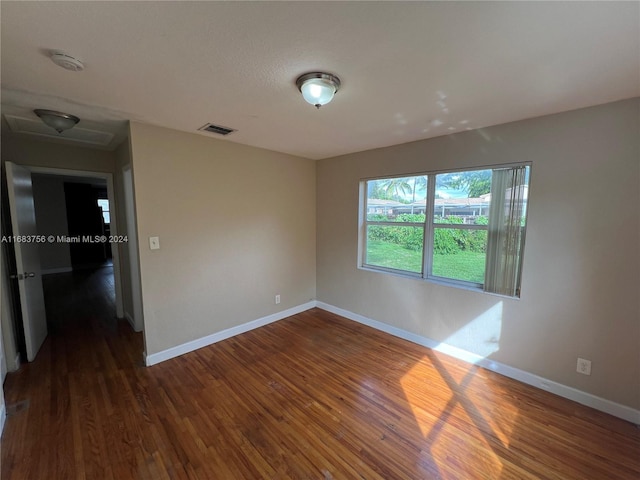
154,243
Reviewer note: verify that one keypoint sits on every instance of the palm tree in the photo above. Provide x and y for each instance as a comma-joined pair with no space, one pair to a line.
396,187
474,182
417,181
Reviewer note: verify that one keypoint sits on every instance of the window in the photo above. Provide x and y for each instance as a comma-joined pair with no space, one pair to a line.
103,203
462,227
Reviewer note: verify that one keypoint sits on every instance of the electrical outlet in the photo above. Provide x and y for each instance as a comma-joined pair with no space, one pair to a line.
584,366
277,299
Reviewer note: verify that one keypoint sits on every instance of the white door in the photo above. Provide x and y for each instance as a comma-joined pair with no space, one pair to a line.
23,221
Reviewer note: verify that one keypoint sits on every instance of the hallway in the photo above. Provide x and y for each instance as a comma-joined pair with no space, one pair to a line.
52,402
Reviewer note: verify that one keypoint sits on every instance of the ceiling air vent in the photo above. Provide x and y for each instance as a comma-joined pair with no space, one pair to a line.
210,127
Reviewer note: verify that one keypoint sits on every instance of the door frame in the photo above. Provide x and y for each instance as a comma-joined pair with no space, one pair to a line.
115,253
136,319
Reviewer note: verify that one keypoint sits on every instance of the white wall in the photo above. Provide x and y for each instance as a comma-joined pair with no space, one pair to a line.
51,219
581,276
236,227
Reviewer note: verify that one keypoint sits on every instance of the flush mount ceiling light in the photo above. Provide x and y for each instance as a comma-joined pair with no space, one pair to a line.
67,61
318,88
57,120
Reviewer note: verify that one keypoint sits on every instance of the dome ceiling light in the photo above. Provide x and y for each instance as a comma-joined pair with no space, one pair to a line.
57,120
318,88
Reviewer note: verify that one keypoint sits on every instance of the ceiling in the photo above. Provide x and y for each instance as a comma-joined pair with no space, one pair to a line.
409,71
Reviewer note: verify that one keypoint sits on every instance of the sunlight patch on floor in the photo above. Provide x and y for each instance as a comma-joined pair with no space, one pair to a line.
460,436
455,450
424,394
501,421
465,400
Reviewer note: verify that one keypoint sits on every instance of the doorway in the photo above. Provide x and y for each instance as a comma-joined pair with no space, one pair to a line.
85,194
77,268
70,206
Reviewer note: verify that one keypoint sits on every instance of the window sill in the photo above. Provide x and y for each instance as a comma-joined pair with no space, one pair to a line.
435,280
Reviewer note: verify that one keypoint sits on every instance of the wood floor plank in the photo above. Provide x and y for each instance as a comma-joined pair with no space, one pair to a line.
313,396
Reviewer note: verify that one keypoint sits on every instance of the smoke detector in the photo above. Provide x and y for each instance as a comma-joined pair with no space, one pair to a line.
67,62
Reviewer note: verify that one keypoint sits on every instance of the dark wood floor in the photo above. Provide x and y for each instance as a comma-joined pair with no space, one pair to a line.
314,396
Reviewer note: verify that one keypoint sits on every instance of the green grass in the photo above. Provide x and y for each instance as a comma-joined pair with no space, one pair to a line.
462,265
391,255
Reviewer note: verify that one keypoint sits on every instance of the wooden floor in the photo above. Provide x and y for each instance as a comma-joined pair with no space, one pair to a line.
313,396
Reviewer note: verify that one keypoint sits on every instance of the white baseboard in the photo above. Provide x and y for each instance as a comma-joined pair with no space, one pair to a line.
16,363
598,403
187,347
49,271
3,417
129,319
584,398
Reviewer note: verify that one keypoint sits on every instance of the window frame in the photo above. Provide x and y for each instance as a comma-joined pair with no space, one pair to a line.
429,226
103,211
